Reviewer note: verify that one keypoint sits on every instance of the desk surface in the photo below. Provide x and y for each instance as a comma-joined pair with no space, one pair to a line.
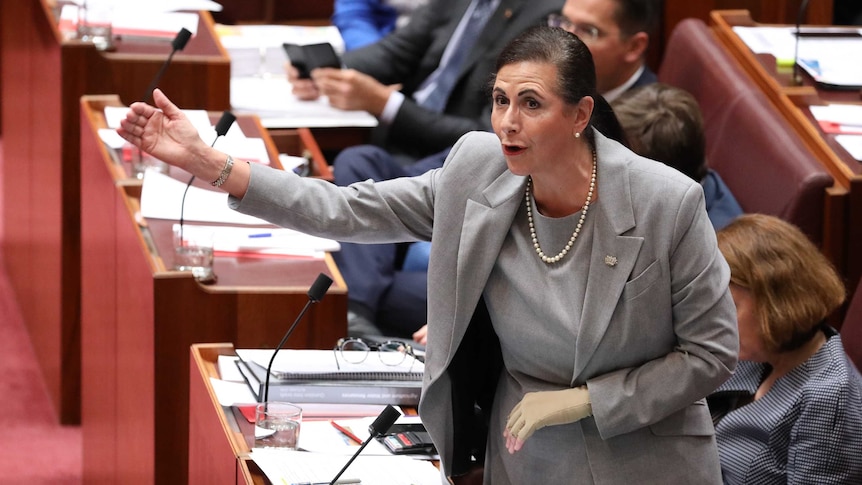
793,102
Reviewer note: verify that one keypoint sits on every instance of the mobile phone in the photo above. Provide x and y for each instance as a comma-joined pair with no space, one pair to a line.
407,438
306,58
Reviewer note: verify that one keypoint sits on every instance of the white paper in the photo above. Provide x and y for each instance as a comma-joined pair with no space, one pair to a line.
851,143
164,5
826,59
111,138
162,198
230,393
321,436
841,113
271,99
133,19
262,240
227,369
285,466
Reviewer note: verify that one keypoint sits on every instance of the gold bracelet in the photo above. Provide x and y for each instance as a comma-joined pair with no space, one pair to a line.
225,172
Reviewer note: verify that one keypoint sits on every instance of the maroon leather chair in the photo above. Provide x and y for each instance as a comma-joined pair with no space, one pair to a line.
748,142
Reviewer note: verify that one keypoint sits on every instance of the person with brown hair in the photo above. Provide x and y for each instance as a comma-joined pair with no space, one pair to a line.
792,412
664,123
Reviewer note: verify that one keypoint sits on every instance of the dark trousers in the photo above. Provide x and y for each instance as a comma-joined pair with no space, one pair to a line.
395,300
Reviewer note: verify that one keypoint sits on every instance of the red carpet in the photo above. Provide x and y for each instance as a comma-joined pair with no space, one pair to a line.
34,447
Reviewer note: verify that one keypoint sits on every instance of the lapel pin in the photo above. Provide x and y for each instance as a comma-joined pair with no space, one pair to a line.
508,13
611,260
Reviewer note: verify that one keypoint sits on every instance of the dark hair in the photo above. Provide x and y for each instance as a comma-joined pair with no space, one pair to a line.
664,123
633,16
576,73
605,120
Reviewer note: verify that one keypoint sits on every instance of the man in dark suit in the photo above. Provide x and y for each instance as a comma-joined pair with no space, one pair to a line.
408,59
617,32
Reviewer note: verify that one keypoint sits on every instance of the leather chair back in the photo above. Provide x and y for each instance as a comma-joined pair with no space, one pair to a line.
748,142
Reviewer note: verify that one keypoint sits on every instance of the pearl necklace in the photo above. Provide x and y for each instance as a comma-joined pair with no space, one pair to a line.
528,196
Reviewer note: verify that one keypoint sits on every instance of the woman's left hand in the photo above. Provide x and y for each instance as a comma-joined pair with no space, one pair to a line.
545,408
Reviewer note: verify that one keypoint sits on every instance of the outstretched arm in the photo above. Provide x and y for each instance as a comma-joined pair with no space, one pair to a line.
165,132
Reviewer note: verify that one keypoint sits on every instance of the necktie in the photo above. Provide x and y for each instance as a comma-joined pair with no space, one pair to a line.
447,75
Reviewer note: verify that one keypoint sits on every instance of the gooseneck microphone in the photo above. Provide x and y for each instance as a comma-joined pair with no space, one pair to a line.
315,294
800,16
221,128
378,428
178,44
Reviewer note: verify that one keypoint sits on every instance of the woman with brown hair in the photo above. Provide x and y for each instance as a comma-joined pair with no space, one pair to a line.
792,413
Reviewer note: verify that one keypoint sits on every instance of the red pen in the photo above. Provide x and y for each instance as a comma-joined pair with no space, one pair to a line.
346,431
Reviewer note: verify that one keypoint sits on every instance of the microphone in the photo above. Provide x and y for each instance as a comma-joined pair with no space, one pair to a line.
378,428
315,294
797,77
221,128
178,44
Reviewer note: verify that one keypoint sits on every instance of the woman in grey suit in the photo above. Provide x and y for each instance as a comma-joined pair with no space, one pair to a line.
578,306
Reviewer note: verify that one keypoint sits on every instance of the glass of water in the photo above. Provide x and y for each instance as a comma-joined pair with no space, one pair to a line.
193,251
276,425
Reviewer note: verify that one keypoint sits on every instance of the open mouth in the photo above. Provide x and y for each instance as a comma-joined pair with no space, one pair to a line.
512,149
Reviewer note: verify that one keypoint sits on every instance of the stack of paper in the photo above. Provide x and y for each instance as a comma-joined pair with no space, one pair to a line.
316,376
843,120
290,467
824,57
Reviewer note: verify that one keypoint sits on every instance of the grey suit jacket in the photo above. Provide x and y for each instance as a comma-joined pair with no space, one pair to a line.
410,54
658,329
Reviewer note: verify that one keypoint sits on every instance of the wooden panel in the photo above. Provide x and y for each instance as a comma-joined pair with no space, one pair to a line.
44,78
158,314
213,445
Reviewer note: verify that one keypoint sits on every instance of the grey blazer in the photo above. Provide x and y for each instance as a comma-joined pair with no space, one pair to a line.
658,329
410,54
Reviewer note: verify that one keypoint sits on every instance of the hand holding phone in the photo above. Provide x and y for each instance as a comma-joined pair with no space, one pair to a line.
306,58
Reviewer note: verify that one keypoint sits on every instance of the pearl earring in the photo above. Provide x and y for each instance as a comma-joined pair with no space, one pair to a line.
577,134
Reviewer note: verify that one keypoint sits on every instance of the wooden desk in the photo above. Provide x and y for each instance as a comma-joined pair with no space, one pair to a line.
218,451
139,318
44,76
766,11
844,223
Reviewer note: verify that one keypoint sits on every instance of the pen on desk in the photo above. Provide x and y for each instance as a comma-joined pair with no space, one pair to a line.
339,481
346,431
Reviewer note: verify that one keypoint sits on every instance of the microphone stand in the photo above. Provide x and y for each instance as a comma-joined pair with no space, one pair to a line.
315,294
221,128
178,44
800,16
378,428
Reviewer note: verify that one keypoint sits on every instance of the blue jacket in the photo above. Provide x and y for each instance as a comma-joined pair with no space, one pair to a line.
363,22
721,205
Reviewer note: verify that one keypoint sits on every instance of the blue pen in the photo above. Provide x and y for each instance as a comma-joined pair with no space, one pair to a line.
263,234
345,480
